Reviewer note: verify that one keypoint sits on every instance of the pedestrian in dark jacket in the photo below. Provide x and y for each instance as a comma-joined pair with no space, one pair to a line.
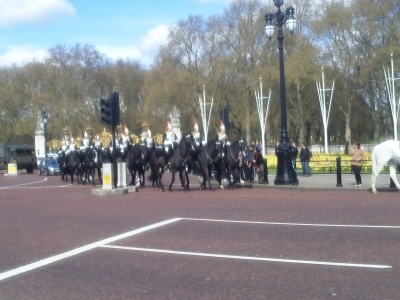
250,164
305,156
295,153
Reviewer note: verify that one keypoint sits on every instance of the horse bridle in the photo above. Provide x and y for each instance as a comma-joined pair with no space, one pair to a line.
209,157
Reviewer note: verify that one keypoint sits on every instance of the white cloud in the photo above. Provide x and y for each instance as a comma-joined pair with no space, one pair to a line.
144,52
117,52
154,38
32,11
21,55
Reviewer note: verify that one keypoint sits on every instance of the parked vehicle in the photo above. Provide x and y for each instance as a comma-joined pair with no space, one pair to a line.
22,155
49,166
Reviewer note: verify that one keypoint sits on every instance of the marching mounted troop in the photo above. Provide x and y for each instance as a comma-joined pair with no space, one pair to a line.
80,158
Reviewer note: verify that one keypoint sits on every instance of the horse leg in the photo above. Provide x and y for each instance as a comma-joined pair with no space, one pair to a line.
187,179
229,175
173,171
392,170
141,173
180,177
159,176
84,176
207,176
100,175
183,174
219,175
92,174
376,169
132,176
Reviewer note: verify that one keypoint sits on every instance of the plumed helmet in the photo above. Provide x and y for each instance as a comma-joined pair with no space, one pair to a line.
222,126
97,137
85,135
72,140
167,125
196,127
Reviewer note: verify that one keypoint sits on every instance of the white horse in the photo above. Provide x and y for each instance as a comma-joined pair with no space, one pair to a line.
387,152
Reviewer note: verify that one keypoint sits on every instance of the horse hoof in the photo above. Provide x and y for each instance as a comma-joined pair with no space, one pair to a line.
374,191
222,187
212,190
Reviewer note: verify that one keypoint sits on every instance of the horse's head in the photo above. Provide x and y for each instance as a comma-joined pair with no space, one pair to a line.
219,146
242,145
146,147
190,141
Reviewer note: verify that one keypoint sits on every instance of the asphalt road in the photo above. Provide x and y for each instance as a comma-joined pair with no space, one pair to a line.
59,242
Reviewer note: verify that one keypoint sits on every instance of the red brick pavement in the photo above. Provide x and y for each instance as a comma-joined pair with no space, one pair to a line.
46,218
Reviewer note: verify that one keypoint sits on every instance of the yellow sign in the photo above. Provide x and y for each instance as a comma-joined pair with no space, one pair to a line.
107,179
12,169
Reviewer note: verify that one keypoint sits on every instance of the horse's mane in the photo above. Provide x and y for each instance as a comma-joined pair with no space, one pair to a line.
235,145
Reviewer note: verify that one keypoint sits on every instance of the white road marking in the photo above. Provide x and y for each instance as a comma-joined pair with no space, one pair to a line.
296,224
79,250
293,261
22,184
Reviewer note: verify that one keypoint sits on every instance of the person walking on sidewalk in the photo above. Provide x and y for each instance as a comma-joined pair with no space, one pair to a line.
357,159
305,156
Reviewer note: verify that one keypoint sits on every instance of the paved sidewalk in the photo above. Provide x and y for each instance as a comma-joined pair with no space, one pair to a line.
323,182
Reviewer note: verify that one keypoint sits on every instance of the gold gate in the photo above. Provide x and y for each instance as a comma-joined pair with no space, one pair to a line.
105,138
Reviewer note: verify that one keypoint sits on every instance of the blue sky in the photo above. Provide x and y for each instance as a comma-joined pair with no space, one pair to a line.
132,29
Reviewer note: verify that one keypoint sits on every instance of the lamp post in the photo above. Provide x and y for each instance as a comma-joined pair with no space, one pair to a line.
284,150
44,124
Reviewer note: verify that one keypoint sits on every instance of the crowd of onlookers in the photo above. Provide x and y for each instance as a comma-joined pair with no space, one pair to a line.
251,164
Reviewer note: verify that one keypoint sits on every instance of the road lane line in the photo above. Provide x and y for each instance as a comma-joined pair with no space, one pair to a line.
79,250
17,185
293,261
295,224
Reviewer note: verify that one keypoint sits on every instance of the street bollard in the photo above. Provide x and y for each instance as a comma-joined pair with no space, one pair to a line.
108,177
338,172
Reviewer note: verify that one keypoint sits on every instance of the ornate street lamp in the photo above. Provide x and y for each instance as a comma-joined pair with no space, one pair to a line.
284,149
44,125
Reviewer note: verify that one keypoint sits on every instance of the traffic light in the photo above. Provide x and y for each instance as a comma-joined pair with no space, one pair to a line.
106,110
110,109
115,108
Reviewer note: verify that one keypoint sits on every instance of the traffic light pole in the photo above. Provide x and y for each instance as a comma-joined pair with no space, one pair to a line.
114,156
110,114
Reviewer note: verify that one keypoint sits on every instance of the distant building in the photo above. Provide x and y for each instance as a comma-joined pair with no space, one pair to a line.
175,116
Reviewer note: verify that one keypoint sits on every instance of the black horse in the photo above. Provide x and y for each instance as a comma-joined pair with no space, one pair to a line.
210,154
135,163
231,162
88,165
157,162
179,161
61,159
73,165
